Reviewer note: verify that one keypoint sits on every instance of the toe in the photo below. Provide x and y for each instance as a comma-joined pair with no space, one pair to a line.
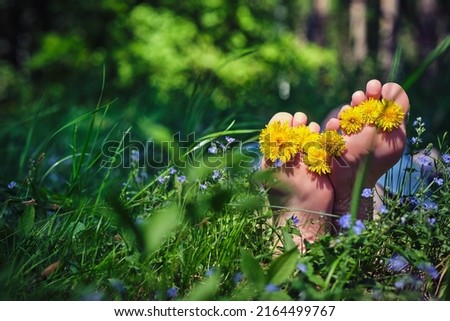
342,109
299,119
358,97
282,117
373,89
314,127
332,124
393,91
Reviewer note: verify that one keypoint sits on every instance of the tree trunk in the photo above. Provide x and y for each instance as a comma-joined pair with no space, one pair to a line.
388,34
316,31
358,29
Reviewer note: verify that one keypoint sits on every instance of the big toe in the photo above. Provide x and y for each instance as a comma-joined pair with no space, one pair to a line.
393,91
282,117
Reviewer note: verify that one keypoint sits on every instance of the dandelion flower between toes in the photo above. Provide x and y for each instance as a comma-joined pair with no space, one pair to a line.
279,142
384,114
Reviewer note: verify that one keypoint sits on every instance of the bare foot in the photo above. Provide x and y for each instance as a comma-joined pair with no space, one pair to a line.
383,148
305,194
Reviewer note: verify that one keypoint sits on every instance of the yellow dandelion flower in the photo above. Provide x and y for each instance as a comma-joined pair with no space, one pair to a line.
391,116
371,110
317,160
277,141
332,142
351,120
312,140
301,136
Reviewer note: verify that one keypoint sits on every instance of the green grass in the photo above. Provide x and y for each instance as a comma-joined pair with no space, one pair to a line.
120,233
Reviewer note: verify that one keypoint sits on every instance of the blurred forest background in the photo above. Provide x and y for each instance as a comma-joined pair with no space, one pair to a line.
196,65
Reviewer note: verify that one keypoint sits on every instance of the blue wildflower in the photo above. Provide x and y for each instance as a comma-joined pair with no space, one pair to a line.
399,284
438,181
278,163
118,285
134,155
397,263
302,267
417,122
431,221
271,288
367,192
216,174
172,292
424,160
203,186
383,209
429,269
237,277
162,179
359,227
172,171
295,220
181,179
213,149
12,184
416,140
446,158
210,271
345,221
229,139
94,296
429,205
414,201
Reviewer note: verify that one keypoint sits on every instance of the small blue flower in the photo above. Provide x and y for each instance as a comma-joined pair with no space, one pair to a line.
359,227
399,284
134,155
172,292
446,158
181,179
238,277
429,269
429,205
367,192
345,221
203,186
397,263
12,184
210,271
424,160
417,122
271,288
229,139
438,181
302,267
162,179
295,220
416,140
213,149
172,171
383,209
431,221
216,174
414,201
278,163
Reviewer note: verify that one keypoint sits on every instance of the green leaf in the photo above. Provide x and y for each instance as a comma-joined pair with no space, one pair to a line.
252,270
159,226
26,221
289,243
283,266
206,290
